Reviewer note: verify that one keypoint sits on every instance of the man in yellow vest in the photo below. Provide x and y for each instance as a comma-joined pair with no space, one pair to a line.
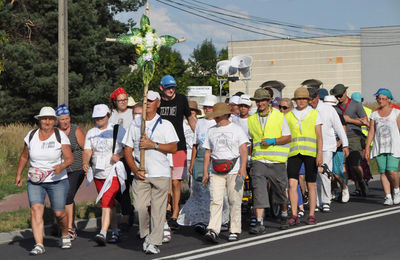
305,147
271,136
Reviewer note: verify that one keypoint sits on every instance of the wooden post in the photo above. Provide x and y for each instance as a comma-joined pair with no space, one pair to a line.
62,52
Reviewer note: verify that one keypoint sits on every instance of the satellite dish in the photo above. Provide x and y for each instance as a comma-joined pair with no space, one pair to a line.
242,61
224,68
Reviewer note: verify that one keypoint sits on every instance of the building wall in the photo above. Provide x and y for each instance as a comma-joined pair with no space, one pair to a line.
292,62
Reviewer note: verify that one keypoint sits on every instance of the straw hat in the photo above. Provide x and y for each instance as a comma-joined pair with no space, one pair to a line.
131,101
219,109
301,92
193,106
46,111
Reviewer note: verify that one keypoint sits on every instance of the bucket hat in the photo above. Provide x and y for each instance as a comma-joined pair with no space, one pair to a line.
193,106
219,109
330,100
301,92
46,111
209,101
338,89
261,94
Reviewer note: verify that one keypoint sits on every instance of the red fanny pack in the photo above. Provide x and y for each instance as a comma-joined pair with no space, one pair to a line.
223,166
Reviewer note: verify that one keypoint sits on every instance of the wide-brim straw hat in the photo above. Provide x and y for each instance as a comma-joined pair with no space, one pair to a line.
301,92
193,106
46,111
219,109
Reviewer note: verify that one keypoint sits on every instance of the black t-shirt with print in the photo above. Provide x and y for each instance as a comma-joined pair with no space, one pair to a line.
174,111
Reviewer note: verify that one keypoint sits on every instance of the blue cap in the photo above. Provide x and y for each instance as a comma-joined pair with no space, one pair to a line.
62,110
322,93
384,91
356,96
168,81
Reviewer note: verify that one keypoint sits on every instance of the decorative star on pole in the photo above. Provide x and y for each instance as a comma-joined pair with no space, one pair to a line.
147,44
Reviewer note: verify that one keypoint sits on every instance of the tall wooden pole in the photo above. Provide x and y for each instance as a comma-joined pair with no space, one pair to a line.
62,52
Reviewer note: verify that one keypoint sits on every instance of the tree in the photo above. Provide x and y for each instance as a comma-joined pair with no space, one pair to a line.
29,79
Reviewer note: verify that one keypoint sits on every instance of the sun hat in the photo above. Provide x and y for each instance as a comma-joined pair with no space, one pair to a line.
234,100
193,106
46,111
301,92
219,109
209,101
261,94
100,110
168,81
330,100
117,92
338,89
62,110
384,91
245,100
152,95
356,96
322,93
131,101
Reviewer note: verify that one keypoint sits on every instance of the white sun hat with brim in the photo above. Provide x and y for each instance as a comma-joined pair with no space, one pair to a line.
209,101
100,110
46,111
330,100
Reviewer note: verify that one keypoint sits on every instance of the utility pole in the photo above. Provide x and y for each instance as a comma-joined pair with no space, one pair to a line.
62,52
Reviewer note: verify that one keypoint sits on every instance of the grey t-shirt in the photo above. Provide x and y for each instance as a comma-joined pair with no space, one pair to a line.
123,119
353,110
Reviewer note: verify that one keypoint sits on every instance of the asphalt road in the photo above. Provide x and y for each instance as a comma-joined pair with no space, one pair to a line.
360,229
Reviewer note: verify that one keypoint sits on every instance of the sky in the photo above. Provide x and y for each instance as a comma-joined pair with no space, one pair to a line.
338,14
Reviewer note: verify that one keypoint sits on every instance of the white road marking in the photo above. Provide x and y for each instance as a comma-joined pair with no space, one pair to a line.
217,249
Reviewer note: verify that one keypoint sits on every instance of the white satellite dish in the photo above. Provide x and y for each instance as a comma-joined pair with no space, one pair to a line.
224,68
241,62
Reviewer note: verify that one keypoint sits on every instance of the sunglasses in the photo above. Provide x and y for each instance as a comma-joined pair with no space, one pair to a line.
283,107
339,96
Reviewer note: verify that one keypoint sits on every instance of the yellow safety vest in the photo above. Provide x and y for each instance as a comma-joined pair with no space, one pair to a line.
272,129
304,140
364,129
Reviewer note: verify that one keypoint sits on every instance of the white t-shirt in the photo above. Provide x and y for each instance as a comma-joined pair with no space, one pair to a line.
242,122
189,136
202,127
124,119
387,136
101,143
157,163
47,154
224,143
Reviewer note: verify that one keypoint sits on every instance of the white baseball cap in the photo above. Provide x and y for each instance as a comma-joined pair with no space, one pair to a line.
209,101
152,95
330,100
100,110
234,100
245,100
46,111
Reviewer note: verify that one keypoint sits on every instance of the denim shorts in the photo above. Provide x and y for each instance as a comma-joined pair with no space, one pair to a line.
57,192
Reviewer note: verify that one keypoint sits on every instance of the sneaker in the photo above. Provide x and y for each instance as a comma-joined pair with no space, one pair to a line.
294,220
396,198
224,227
152,249
364,189
388,202
173,224
100,240
253,222
326,208
66,242
257,229
72,234
38,249
284,223
200,228
146,243
211,236
345,195
300,214
311,220
233,237
114,238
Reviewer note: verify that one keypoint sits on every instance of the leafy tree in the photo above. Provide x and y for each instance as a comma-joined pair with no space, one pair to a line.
29,79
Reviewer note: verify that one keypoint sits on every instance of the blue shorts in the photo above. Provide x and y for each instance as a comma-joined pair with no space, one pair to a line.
57,192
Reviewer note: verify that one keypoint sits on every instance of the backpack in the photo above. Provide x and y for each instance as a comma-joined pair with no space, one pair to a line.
56,131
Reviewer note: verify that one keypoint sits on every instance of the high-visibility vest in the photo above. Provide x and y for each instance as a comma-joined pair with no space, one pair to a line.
304,140
272,129
364,129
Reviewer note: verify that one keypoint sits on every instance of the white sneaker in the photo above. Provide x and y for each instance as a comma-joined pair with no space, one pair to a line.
146,243
152,249
388,202
396,198
345,195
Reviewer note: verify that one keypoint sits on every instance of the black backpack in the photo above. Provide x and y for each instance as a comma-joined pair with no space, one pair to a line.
56,131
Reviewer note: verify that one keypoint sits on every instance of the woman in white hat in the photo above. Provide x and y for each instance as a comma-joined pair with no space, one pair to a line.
49,153
103,148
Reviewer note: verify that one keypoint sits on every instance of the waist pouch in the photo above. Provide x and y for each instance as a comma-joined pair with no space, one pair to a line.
223,166
37,175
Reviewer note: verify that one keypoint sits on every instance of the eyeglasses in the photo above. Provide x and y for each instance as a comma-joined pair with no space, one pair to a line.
339,96
381,99
283,107
122,100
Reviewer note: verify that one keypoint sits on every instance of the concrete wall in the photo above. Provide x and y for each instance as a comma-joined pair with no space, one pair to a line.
380,65
292,62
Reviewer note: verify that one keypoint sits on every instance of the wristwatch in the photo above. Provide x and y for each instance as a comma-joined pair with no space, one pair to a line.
156,146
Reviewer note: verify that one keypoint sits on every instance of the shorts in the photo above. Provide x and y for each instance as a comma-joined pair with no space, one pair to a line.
108,201
387,162
75,179
337,165
262,173
179,160
57,192
356,147
294,165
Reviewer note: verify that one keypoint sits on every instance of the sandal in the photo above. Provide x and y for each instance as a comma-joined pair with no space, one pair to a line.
233,237
37,250
300,214
166,234
72,233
